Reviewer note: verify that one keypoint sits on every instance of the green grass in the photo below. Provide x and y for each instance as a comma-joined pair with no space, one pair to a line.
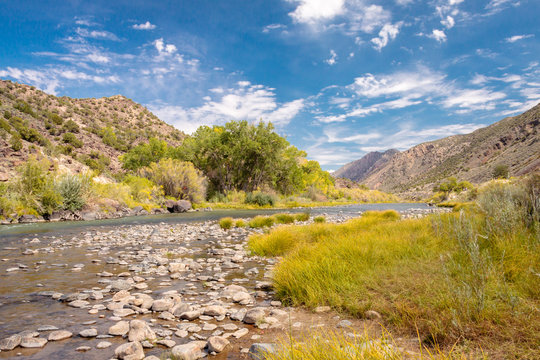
319,219
226,223
283,218
453,278
261,221
240,223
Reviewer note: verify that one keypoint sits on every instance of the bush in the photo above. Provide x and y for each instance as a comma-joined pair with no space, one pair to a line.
70,138
319,219
15,142
5,125
71,126
283,218
500,171
55,118
143,190
179,179
302,216
25,108
96,161
74,190
240,223
261,221
226,223
7,115
260,198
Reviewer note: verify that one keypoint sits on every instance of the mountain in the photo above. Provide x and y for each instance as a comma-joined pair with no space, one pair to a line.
76,133
358,170
513,141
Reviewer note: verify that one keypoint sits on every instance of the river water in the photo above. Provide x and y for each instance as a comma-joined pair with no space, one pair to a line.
60,246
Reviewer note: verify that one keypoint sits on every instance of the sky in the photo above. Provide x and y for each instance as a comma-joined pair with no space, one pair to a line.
338,78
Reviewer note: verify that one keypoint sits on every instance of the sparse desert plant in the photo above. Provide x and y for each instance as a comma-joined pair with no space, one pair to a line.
226,223
74,190
500,171
70,138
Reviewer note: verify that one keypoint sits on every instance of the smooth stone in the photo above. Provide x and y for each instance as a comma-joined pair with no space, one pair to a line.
167,343
214,310
83,348
344,324
47,328
239,333
59,335
189,351
33,342
139,331
79,303
162,304
119,329
217,344
10,343
88,333
130,351
258,350
254,316
103,345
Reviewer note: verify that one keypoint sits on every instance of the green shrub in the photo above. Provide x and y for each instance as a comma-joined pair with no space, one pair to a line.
7,114
240,223
500,171
302,216
283,218
73,189
319,219
71,126
143,190
179,179
226,223
70,138
56,119
24,107
15,142
5,125
96,161
382,215
260,198
261,221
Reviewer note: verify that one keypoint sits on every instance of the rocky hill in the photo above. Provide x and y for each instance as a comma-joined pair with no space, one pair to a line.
513,141
77,133
358,170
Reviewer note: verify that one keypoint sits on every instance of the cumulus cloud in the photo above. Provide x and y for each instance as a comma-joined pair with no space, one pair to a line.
144,26
438,35
164,48
387,33
333,58
311,11
245,102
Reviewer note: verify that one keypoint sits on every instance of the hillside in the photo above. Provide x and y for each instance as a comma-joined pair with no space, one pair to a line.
513,141
75,132
358,170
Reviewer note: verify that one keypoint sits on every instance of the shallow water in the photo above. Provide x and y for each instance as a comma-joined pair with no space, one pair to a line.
22,309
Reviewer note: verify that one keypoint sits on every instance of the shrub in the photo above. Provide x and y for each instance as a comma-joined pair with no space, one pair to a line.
24,107
302,216
260,198
226,223
179,179
382,215
319,219
71,126
283,218
240,223
73,189
7,114
96,161
261,221
70,138
143,190
500,171
15,142
5,125
55,118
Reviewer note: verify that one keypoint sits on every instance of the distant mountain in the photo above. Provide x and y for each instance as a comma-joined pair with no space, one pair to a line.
513,141
358,170
76,133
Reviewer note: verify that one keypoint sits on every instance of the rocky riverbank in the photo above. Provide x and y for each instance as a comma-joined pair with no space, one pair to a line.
146,291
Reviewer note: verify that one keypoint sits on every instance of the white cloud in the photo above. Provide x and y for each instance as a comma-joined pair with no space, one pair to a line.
246,102
495,6
369,18
438,35
515,38
333,58
473,99
311,11
449,22
387,33
271,27
96,34
145,26
163,48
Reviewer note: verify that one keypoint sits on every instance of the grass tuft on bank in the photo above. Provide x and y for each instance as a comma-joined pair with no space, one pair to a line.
460,277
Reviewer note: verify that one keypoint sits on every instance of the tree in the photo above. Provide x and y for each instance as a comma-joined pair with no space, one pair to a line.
500,171
144,154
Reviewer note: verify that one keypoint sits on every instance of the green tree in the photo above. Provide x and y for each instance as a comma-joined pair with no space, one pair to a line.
144,154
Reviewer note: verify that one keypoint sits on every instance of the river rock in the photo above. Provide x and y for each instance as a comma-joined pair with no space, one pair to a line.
179,206
254,316
189,351
10,343
190,315
257,350
372,315
33,342
79,304
59,335
121,328
180,308
86,333
162,305
119,285
139,331
130,351
214,310
230,290
217,344
103,345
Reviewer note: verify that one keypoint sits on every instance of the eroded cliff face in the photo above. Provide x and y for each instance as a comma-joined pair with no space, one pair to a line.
513,141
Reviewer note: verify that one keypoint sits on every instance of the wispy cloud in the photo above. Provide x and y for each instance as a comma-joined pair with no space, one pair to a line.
332,60
513,39
96,34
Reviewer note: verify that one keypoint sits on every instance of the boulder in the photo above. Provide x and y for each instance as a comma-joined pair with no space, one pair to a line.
217,344
162,304
179,206
130,351
121,328
139,331
189,351
254,316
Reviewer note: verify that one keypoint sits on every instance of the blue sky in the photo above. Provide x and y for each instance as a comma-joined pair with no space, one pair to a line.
338,78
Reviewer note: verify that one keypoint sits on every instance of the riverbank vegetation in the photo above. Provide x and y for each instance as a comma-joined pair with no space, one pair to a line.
469,278
238,165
